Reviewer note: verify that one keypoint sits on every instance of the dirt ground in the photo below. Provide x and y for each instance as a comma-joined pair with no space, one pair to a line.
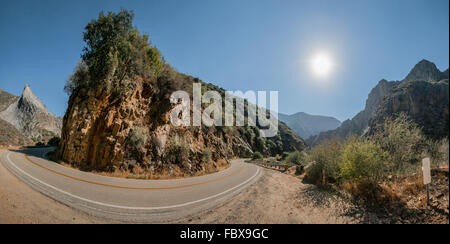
280,198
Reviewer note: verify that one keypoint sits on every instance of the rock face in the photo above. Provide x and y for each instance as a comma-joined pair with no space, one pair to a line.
103,132
306,125
426,103
30,116
423,95
426,71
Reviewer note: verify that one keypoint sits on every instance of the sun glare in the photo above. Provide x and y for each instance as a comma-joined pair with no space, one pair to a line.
321,65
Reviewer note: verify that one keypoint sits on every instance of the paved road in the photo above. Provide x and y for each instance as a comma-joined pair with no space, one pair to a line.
126,199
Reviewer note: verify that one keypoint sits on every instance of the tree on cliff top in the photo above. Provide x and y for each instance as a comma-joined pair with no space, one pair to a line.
115,51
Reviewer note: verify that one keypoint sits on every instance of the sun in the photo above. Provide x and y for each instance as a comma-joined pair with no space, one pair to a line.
321,65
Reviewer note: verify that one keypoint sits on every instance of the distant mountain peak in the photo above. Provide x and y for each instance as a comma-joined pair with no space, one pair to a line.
29,97
306,125
30,116
424,70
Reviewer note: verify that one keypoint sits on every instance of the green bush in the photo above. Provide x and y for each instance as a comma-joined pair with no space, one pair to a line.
138,137
257,156
363,162
79,78
402,139
314,173
207,155
178,153
325,162
296,157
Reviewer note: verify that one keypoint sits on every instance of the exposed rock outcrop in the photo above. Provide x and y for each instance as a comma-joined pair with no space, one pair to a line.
30,116
425,102
104,132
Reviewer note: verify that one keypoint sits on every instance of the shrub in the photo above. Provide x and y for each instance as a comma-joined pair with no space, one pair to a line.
402,140
363,162
138,137
178,153
314,173
79,78
296,158
325,162
207,155
257,156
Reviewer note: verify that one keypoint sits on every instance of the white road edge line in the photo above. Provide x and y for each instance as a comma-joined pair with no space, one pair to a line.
126,207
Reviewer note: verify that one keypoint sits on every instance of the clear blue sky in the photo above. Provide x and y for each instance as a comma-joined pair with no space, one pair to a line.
243,44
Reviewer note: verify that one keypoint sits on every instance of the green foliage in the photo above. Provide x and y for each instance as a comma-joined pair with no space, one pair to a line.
402,140
257,156
363,161
325,161
207,155
178,153
138,137
261,144
296,157
80,77
114,54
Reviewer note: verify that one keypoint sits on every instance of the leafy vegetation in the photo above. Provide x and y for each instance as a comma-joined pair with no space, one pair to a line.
178,153
296,157
361,164
257,156
402,139
138,136
207,155
114,54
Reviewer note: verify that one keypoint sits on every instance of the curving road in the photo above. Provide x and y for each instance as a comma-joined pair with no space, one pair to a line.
128,200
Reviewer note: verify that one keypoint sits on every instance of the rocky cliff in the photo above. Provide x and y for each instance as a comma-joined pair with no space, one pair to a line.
306,125
30,116
104,132
423,95
425,99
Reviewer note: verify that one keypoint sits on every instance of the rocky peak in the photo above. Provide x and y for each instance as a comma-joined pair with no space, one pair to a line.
30,116
425,71
29,101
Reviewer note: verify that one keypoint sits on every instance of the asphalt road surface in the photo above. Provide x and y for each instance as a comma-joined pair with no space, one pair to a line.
128,200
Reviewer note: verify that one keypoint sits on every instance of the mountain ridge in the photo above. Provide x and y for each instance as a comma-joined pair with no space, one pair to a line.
306,125
380,97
